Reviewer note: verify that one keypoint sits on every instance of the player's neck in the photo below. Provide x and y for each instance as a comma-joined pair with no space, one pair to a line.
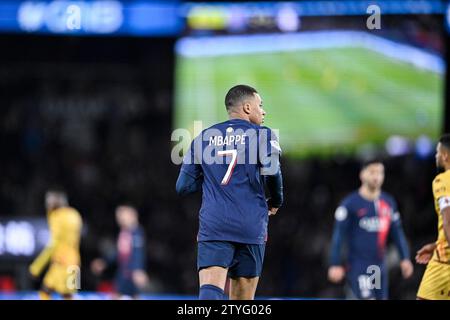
236,115
54,208
131,227
368,193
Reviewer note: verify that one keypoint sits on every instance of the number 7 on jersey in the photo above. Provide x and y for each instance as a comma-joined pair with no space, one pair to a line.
233,154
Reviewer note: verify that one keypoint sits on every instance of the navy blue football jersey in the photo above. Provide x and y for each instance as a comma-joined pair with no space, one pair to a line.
231,158
364,226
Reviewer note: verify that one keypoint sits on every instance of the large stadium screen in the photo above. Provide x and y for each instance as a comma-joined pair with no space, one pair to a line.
334,79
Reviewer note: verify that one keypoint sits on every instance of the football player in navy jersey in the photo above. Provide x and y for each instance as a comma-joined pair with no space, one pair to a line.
233,163
363,221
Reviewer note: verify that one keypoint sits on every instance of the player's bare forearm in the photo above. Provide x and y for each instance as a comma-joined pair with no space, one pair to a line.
446,222
425,253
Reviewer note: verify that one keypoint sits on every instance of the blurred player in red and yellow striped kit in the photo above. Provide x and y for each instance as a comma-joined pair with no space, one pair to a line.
62,251
435,283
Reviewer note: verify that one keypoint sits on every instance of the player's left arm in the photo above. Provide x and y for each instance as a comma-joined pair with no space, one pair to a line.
441,192
138,251
398,235
139,274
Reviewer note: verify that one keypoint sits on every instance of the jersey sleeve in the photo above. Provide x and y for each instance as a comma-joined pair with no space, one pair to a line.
138,252
190,178
397,233
269,151
275,187
340,233
192,160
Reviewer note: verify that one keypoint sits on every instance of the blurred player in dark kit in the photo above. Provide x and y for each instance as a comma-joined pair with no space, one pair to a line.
129,256
363,221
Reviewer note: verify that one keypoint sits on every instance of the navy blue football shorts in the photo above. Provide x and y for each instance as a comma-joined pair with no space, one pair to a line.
368,281
126,286
242,260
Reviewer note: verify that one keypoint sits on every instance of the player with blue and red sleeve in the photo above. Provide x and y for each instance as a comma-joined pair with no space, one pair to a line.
129,256
233,162
363,221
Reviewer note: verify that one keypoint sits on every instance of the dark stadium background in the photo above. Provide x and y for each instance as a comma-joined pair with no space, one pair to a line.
94,115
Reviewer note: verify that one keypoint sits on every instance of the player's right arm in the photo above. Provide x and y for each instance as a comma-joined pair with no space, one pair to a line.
336,271
44,257
98,265
424,255
187,184
190,178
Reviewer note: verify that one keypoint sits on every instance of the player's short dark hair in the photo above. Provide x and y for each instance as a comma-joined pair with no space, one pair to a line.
238,94
445,140
128,205
370,161
60,192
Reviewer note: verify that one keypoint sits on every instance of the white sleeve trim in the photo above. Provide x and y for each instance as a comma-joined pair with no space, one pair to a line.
444,202
275,145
